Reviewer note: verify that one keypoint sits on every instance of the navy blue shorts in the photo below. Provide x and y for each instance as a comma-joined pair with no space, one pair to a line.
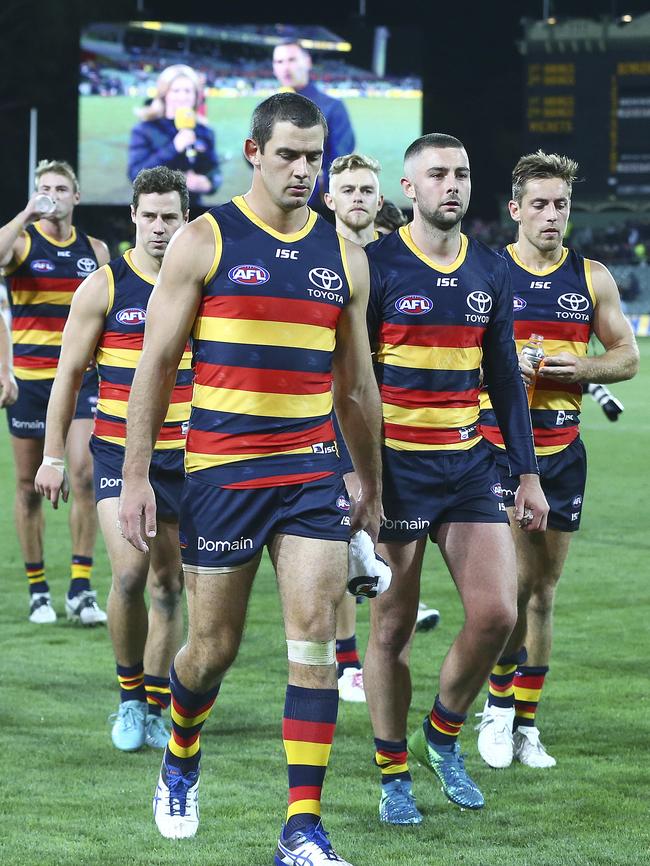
166,475
424,489
563,477
222,527
26,418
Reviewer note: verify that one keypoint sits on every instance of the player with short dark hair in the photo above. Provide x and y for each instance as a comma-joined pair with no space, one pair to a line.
440,309
390,218
275,302
46,258
106,321
563,297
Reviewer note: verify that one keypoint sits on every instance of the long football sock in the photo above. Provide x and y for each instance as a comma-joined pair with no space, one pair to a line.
392,759
189,713
529,683
501,690
443,726
347,655
80,571
158,694
131,681
35,572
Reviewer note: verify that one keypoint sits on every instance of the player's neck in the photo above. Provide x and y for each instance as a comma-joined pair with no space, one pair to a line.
442,246
360,237
534,258
58,230
149,265
285,222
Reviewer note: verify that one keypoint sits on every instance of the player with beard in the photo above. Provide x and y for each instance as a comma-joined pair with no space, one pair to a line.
440,308
565,298
356,200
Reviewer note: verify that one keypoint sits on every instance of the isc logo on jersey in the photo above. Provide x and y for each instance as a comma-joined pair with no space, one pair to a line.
131,316
42,266
414,305
249,275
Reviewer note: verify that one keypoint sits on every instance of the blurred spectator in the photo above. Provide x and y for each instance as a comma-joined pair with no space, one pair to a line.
292,68
171,133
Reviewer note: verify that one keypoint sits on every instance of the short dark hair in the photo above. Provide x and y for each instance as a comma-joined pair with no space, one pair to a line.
291,107
390,217
160,179
432,139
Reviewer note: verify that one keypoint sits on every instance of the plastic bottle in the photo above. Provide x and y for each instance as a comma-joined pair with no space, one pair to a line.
534,351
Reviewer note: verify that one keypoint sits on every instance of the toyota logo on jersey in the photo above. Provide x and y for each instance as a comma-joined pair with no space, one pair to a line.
573,302
323,278
479,302
86,265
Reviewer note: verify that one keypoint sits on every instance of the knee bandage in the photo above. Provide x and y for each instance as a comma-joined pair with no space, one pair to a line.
312,652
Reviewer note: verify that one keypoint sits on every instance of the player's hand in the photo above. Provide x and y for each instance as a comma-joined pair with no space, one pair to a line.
365,513
183,139
526,369
137,513
8,388
197,182
563,367
52,483
531,507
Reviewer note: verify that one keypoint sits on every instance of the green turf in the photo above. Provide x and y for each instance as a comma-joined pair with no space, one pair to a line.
384,128
70,798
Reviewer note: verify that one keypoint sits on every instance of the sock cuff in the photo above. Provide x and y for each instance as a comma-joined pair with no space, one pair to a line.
187,698
441,710
524,671
517,658
390,745
130,671
82,560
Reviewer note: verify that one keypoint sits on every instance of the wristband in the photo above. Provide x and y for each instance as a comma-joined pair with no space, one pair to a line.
55,462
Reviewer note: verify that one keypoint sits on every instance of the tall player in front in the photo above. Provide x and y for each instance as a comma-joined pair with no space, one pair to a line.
440,308
565,298
275,301
46,258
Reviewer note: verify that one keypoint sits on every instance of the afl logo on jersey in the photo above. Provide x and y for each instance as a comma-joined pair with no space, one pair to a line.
479,302
86,265
414,305
573,302
131,316
42,266
518,304
323,278
497,489
343,503
249,275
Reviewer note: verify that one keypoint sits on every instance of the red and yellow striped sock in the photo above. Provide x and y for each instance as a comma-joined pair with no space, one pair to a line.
80,570
131,681
35,572
392,759
307,731
347,655
188,714
529,682
158,694
443,726
501,690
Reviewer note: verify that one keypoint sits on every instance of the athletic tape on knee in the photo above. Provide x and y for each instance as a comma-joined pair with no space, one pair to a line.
312,652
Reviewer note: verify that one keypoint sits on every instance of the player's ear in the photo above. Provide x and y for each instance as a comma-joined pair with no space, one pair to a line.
252,152
329,201
515,210
408,188
132,214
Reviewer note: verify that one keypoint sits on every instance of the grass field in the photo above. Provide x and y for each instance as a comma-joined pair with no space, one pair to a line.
384,128
70,798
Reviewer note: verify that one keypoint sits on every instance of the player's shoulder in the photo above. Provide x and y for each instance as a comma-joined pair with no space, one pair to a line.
488,260
385,245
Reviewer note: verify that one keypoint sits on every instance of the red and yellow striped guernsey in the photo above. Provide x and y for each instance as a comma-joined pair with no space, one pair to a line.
41,286
559,304
263,343
117,355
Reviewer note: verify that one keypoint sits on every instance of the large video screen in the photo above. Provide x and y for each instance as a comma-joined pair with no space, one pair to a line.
183,94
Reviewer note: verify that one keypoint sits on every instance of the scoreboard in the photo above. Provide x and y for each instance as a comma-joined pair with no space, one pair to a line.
594,107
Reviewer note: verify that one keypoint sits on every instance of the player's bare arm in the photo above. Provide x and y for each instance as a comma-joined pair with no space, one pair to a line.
8,386
80,335
170,316
101,251
620,360
356,397
12,234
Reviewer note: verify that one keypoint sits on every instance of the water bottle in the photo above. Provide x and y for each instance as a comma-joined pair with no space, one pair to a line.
44,204
534,351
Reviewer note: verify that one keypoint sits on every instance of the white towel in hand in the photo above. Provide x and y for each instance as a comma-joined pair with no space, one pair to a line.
368,574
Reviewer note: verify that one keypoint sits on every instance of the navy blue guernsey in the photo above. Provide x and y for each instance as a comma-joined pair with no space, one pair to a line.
433,327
